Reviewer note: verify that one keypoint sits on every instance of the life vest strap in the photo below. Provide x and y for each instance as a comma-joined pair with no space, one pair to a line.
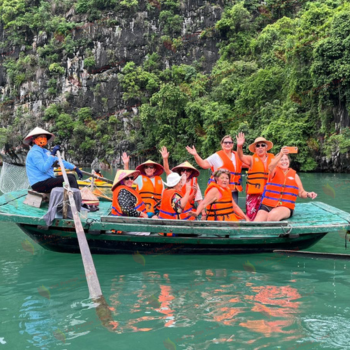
166,212
216,215
120,214
279,199
284,186
289,193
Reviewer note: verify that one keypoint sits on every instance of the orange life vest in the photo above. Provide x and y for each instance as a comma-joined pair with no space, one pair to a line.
151,194
189,206
281,190
236,173
222,209
117,210
99,175
166,211
258,174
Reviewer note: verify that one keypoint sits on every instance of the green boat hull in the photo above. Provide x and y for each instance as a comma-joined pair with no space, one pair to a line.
108,243
310,222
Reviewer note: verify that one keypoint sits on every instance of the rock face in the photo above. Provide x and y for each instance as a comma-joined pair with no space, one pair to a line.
112,41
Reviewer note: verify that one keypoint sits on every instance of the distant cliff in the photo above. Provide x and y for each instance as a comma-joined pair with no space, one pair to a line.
108,76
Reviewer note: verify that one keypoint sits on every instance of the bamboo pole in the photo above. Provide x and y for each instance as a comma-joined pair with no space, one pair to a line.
90,271
97,177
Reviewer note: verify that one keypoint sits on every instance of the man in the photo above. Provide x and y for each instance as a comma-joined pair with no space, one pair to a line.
258,172
40,163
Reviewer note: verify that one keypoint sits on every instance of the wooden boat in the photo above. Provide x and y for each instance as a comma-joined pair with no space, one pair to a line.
311,222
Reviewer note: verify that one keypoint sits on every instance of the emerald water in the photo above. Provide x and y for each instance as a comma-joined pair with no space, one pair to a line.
160,301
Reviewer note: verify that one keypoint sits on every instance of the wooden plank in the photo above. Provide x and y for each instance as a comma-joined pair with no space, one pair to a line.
89,266
341,213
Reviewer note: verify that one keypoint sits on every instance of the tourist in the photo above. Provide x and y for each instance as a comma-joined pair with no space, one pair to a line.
191,180
149,185
126,201
258,171
281,191
173,201
223,159
40,163
218,200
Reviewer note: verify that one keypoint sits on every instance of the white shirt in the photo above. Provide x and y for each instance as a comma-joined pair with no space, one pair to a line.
215,161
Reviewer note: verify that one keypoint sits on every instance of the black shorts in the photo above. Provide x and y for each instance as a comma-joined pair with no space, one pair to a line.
268,209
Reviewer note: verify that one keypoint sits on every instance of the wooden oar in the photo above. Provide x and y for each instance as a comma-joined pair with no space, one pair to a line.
97,177
313,254
90,271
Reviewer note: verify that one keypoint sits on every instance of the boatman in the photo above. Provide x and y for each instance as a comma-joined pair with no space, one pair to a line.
40,163
258,171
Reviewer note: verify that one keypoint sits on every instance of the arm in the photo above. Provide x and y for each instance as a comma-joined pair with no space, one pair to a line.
276,160
125,159
204,164
302,192
211,197
246,160
165,155
239,211
41,161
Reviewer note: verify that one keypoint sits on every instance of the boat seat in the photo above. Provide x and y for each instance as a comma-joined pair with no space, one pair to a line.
36,199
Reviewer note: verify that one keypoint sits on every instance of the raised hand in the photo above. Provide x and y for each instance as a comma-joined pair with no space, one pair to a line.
284,150
164,152
240,139
125,158
191,150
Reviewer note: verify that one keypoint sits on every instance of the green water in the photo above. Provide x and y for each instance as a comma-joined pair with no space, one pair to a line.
179,302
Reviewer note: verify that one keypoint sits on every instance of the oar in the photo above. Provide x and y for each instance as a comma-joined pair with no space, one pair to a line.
313,254
90,271
97,177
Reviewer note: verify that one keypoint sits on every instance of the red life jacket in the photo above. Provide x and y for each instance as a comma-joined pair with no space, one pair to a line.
166,211
236,173
222,209
258,174
117,210
281,190
151,194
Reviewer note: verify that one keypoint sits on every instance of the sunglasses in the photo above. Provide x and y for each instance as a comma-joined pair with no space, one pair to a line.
260,145
129,178
185,170
228,142
148,167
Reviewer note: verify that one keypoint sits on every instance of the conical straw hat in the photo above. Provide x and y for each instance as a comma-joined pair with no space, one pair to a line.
88,197
186,165
260,139
122,174
159,169
35,132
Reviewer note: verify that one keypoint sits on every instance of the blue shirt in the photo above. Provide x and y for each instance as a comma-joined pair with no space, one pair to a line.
39,165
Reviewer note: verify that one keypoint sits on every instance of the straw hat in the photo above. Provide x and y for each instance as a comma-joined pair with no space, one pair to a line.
172,180
35,132
186,165
159,168
122,174
260,139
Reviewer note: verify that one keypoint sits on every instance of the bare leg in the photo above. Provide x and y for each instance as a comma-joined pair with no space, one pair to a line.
261,215
278,214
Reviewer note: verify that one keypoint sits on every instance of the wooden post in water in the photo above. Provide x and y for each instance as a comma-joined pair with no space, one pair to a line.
90,271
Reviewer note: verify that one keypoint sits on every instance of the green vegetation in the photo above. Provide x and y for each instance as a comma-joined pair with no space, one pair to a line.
283,73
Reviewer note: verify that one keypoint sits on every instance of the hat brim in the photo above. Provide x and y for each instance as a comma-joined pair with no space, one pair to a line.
135,173
159,169
176,169
252,146
29,139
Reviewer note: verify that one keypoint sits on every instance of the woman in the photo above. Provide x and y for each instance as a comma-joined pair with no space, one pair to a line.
149,185
173,202
223,159
281,190
40,163
258,171
191,180
219,201
126,201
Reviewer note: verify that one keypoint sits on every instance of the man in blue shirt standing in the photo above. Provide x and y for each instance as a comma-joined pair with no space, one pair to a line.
40,163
